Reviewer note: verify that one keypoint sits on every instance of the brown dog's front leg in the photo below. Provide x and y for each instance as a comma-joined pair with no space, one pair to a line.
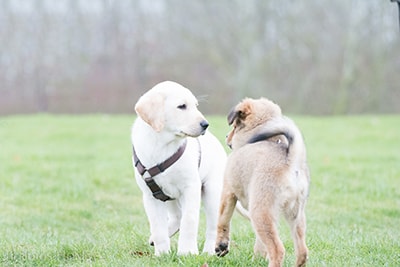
228,203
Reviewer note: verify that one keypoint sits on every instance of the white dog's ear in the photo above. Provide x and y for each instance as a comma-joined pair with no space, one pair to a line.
150,108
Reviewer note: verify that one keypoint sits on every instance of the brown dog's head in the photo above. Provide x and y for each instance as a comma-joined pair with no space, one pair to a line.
245,118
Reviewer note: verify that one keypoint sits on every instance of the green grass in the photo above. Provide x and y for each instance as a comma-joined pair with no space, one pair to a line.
68,196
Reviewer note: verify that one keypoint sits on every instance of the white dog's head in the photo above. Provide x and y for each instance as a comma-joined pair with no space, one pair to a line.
169,106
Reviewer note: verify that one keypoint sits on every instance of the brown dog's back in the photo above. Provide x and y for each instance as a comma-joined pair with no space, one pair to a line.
259,167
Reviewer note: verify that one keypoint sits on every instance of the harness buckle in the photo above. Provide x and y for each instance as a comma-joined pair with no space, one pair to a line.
160,168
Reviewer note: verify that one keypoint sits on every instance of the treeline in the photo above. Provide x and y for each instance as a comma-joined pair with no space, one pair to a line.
312,57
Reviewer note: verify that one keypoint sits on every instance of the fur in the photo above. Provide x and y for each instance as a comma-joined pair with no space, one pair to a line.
167,116
268,173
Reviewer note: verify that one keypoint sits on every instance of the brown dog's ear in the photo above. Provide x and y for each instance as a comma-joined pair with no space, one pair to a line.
232,116
150,108
241,111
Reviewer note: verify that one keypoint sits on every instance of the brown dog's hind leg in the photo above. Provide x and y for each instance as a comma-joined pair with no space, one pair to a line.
260,249
298,229
265,227
227,206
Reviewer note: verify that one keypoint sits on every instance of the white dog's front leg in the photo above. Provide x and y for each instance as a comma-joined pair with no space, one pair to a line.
158,218
187,243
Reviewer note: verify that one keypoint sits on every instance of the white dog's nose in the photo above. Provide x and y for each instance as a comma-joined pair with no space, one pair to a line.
204,124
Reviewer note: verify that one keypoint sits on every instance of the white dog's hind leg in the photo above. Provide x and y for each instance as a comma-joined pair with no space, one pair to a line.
174,220
174,217
158,217
242,211
211,200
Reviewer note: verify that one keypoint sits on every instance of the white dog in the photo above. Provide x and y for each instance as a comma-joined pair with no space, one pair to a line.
177,163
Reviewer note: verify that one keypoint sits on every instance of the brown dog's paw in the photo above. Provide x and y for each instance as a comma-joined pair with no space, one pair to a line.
222,249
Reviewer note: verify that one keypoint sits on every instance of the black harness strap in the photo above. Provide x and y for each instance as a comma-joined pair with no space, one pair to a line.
156,190
159,168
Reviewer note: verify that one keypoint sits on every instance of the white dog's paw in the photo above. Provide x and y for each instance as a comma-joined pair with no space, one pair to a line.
193,251
161,248
187,245
186,248
209,247
159,252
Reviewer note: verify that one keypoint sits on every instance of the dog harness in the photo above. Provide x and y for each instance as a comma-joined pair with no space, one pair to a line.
159,168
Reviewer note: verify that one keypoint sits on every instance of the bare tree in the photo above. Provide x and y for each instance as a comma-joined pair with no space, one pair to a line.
316,57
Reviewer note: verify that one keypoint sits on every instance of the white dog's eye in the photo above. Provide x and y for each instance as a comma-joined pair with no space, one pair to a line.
183,106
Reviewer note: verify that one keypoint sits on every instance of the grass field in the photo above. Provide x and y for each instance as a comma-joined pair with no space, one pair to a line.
68,196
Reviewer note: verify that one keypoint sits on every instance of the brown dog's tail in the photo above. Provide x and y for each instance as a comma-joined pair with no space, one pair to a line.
282,126
267,135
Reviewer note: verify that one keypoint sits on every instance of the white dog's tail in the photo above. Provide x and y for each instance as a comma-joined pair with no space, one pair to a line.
283,126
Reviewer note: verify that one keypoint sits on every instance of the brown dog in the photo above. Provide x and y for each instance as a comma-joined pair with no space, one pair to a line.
267,172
